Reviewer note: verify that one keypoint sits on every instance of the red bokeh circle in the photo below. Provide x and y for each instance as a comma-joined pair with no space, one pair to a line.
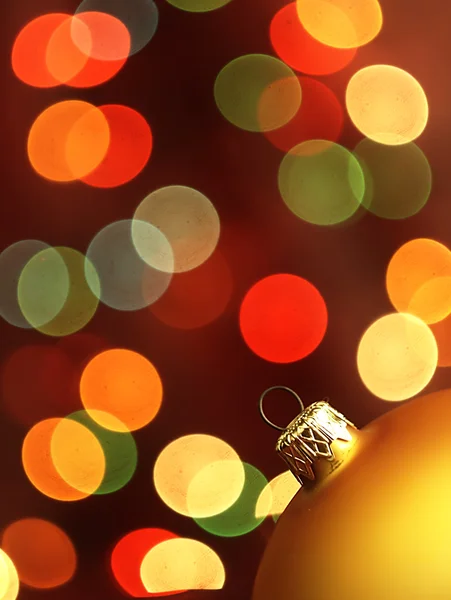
283,318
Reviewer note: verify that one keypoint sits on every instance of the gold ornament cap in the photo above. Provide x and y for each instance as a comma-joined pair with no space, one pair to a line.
316,443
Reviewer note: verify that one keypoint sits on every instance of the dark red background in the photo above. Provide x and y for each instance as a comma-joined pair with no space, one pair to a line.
211,379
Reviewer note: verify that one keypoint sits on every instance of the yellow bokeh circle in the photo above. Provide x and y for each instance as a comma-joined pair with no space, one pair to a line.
397,356
341,23
387,104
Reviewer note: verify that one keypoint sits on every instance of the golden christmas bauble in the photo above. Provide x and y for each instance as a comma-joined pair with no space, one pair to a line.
377,527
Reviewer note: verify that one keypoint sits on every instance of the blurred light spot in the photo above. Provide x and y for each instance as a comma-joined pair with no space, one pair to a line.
186,218
387,104
398,179
257,92
127,282
442,334
320,117
397,356
321,182
127,557
240,518
29,54
198,5
341,23
9,579
198,297
296,47
38,464
68,140
12,261
182,564
129,150
140,17
81,303
63,59
77,455
37,382
42,552
109,39
123,384
118,446
418,279
277,495
283,318
218,485
43,287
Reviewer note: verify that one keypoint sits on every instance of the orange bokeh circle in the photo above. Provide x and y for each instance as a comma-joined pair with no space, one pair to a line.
68,140
38,464
43,554
124,384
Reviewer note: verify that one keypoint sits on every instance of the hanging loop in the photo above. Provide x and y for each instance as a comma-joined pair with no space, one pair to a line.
262,397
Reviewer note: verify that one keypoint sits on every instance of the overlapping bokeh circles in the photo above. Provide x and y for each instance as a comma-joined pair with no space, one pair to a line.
128,555
387,104
320,117
103,40
321,182
110,38
9,579
129,149
119,448
283,318
418,279
39,381
123,384
397,356
42,552
240,518
198,297
276,496
341,23
257,92
43,287
84,470
55,298
198,475
302,52
77,456
398,179
12,261
30,58
184,217
46,53
182,564
127,281
68,140
140,17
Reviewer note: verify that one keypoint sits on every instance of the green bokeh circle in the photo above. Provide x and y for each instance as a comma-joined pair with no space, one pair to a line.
321,182
198,6
398,179
43,287
121,454
240,518
242,84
